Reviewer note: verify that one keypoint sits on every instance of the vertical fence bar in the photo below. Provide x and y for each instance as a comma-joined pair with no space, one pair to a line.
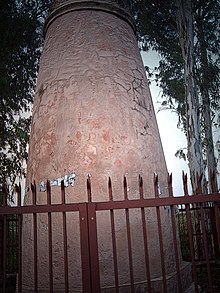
144,226
93,248
33,189
190,233
217,223
213,182
205,243
196,221
66,273
214,227
11,242
129,237
113,237
18,190
8,245
50,247
204,234
89,189
160,235
199,183
4,204
174,227
215,217
84,245
1,241
93,241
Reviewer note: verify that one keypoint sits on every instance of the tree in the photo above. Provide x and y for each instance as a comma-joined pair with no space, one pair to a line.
21,41
207,47
158,28
186,39
172,29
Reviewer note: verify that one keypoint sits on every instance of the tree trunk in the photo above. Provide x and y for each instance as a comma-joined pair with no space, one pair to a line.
186,38
209,145
204,85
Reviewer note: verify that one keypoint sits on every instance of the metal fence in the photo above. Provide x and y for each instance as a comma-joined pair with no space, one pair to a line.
197,218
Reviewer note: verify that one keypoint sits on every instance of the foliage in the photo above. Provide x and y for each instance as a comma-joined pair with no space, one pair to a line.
21,29
158,29
21,42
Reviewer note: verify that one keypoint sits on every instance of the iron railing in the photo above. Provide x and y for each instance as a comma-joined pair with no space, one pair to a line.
196,216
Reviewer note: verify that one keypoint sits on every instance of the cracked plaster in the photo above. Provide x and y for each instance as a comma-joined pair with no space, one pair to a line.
95,70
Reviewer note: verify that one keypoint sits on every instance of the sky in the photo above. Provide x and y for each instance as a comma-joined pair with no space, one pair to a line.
172,138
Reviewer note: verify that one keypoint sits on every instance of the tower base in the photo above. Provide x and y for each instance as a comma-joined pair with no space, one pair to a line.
157,283
141,287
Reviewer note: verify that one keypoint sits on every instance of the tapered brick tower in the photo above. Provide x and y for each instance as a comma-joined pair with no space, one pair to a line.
93,114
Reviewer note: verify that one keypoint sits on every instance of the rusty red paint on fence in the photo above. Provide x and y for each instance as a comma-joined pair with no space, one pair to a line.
113,238
144,226
88,233
50,244
174,227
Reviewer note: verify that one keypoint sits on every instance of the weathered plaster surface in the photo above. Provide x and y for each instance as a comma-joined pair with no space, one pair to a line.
93,114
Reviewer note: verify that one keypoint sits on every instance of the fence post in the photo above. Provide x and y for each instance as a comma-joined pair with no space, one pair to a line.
190,233
145,237
34,202
93,241
93,248
159,226
19,280
84,244
115,260
4,204
128,228
174,227
214,216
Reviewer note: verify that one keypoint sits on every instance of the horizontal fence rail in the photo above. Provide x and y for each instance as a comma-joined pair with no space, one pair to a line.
195,233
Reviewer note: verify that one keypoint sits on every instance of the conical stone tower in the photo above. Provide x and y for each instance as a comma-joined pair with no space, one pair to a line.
93,114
